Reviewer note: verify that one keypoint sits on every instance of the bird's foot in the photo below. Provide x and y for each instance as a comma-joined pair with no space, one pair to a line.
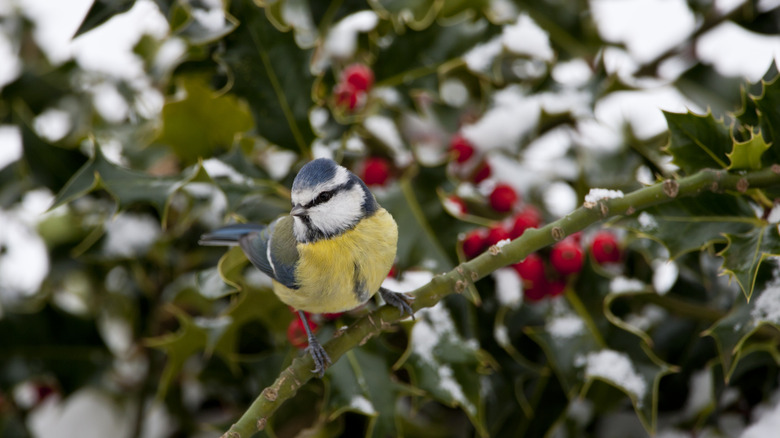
400,301
319,355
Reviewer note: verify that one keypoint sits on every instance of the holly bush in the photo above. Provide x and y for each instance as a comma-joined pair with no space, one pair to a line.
576,270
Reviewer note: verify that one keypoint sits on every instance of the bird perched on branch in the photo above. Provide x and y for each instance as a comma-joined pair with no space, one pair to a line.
330,254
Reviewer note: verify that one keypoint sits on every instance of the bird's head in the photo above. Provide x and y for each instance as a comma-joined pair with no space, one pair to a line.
327,200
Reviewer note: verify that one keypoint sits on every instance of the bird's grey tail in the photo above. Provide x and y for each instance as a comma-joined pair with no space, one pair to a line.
229,235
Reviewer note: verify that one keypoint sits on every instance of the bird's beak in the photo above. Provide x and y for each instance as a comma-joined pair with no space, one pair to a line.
298,210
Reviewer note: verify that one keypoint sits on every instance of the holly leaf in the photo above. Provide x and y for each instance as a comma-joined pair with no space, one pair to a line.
445,365
416,14
202,122
745,253
691,224
125,186
698,142
272,73
102,11
768,108
747,155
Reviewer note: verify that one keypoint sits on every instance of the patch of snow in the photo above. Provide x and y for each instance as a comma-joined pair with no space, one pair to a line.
362,405
724,48
665,273
646,221
595,195
341,41
410,280
560,199
767,306
219,169
509,287
621,285
616,367
565,326
767,424
130,235
52,124
11,139
572,73
501,334
525,37
449,384
24,261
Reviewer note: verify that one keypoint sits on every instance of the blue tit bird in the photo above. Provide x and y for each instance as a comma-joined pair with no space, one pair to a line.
330,254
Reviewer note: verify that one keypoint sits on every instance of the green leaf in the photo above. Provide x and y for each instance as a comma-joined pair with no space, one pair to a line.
360,384
202,122
691,224
413,13
768,107
747,155
126,186
698,142
179,346
272,73
195,32
445,364
102,11
745,253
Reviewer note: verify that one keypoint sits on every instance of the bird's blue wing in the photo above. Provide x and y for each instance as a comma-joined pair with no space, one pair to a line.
279,262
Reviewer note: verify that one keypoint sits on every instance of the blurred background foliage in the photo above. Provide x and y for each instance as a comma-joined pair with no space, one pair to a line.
113,321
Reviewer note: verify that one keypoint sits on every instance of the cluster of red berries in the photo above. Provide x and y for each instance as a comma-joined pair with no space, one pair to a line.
353,86
545,277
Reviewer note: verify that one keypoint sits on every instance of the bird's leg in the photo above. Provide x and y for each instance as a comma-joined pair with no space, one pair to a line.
320,356
400,301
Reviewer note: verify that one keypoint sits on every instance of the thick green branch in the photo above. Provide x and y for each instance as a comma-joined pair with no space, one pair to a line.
457,280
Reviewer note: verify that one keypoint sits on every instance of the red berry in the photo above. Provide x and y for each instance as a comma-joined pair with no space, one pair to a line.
296,333
473,244
503,198
604,248
531,269
555,288
359,76
566,257
346,96
529,217
332,316
483,172
462,149
495,235
535,292
376,171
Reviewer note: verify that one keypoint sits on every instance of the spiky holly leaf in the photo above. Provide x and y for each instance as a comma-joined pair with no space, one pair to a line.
102,11
745,253
125,185
747,321
202,122
445,365
698,142
272,73
768,108
691,224
360,384
747,154
416,14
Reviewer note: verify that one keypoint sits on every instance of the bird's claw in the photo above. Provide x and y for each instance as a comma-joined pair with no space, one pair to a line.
400,301
319,355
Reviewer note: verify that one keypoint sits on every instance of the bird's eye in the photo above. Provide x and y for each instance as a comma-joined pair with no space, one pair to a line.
323,197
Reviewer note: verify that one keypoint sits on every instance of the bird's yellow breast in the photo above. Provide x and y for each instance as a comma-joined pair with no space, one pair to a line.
342,272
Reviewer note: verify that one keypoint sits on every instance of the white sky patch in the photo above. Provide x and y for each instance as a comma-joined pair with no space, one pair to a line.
735,51
24,263
615,367
665,273
362,405
512,116
767,306
130,235
646,221
11,139
560,199
410,280
341,41
641,109
52,124
636,23
449,384
595,195
565,326
525,37
509,287
621,285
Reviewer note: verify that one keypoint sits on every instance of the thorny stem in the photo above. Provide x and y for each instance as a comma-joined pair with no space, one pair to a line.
299,372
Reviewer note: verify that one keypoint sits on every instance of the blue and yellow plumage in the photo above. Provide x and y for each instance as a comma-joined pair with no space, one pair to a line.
330,254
